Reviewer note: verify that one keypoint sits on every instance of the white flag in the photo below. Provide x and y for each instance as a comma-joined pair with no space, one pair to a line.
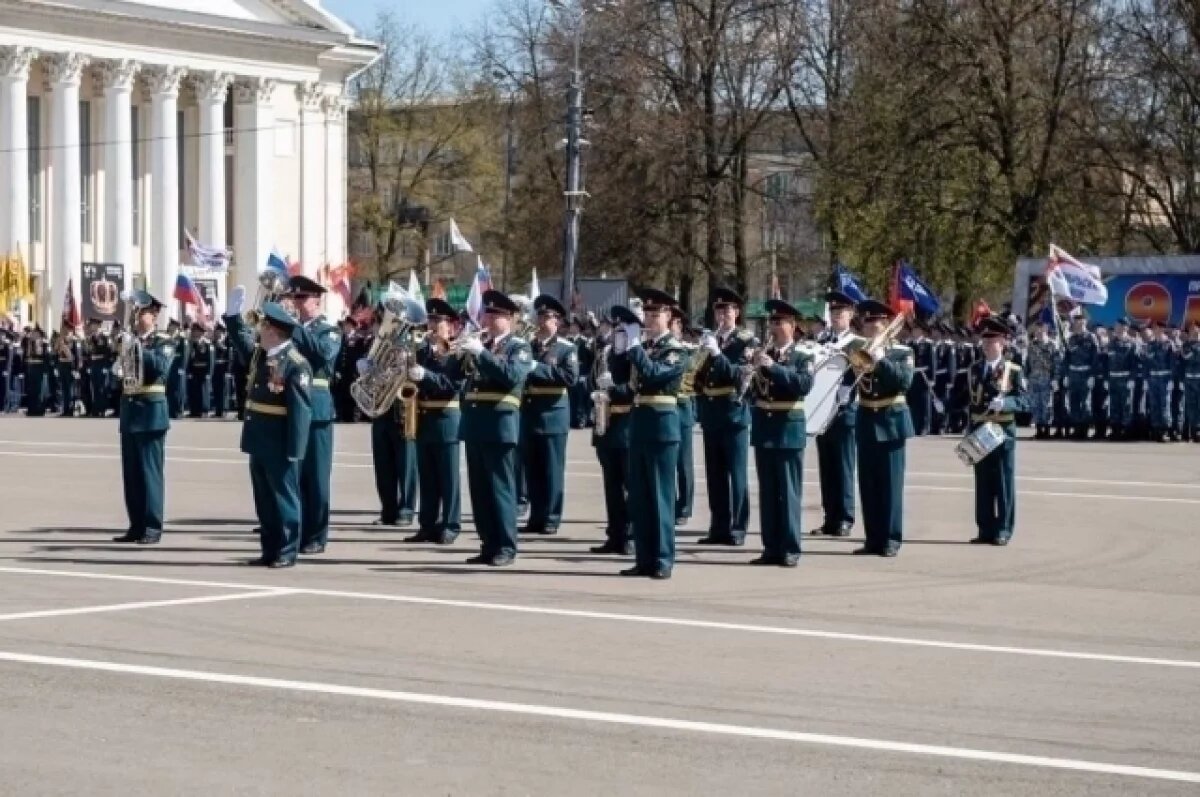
457,242
534,289
1070,279
414,287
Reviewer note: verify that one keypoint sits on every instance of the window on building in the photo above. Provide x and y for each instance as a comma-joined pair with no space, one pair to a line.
442,247
33,109
85,171
135,170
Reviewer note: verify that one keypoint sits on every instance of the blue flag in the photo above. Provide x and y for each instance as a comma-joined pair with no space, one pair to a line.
845,282
910,288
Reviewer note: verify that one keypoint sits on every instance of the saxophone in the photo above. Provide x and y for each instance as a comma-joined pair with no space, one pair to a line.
600,398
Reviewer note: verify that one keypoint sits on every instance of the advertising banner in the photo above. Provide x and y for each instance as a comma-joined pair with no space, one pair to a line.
1161,298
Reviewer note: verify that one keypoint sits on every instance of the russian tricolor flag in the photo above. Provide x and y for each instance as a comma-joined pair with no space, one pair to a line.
187,292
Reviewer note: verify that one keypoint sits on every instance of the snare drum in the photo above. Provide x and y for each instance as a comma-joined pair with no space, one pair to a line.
821,405
976,446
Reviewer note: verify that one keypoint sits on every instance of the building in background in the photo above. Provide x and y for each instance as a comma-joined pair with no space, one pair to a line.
125,123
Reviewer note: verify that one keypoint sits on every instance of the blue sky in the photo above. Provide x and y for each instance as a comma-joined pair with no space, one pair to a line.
439,18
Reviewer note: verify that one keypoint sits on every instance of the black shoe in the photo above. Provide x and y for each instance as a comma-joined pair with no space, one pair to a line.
866,550
445,538
661,574
766,560
527,530
615,548
405,521
279,564
791,560
842,530
382,522
890,551
420,536
480,560
148,539
635,571
980,540
312,548
818,530
736,542
549,531
129,536
1000,541
502,560
710,540
261,561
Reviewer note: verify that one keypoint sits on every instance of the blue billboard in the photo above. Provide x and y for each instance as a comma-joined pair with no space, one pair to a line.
1161,298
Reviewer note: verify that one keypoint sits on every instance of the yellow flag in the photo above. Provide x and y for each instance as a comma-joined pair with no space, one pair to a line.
4,278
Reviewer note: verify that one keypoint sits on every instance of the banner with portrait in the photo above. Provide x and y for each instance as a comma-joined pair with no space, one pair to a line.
100,287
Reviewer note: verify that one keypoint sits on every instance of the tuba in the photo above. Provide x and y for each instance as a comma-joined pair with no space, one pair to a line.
128,366
271,285
391,354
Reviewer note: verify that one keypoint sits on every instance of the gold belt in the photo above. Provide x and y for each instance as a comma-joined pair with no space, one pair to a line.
497,398
545,391
779,406
266,409
145,390
712,392
438,405
983,417
320,383
619,409
879,404
643,401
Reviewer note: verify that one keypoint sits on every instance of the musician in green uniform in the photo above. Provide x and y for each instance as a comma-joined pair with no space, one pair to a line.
685,472
275,433
222,359
438,417
654,368
176,388
882,429
144,419
68,356
997,392
836,450
725,417
201,361
782,378
495,368
99,362
613,403
546,417
37,361
318,342
394,455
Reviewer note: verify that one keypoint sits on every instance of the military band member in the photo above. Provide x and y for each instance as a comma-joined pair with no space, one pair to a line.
37,359
783,377
100,355
176,385
685,472
275,433
394,455
1189,363
1078,374
654,368
945,357
997,390
495,370
546,417
68,356
1123,363
920,395
612,446
1176,382
725,417
882,429
1043,361
836,449
222,360
1099,396
144,421
198,370
318,342
438,418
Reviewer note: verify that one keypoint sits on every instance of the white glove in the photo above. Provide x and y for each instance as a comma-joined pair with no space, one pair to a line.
363,365
599,397
604,381
237,298
763,360
634,333
843,394
1090,382
878,354
416,373
709,341
1129,385
472,346
620,341
996,405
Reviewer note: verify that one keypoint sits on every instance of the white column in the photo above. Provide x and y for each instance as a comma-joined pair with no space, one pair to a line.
211,88
116,77
163,86
335,190
63,72
14,150
254,157
312,177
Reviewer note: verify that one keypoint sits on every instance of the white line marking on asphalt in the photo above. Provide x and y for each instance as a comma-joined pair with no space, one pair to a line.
1153,499
681,622
125,607
170,446
610,718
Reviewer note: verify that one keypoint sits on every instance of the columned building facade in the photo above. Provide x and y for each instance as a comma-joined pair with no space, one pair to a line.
123,124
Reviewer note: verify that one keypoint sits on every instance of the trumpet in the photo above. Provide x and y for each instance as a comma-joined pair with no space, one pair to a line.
456,350
271,285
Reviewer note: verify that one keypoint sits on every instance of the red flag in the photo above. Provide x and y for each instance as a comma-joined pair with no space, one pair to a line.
70,313
898,305
980,312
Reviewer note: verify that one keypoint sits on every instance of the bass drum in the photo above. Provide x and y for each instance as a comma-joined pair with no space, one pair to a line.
821,404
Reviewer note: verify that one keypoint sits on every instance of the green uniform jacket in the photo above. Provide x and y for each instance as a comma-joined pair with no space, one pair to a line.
546,406
278,406
438,409
144,409
778,414
1009,382
653,372
495,381
882,414
718,383
319,343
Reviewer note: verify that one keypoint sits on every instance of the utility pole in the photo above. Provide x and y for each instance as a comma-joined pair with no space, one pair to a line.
574,194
